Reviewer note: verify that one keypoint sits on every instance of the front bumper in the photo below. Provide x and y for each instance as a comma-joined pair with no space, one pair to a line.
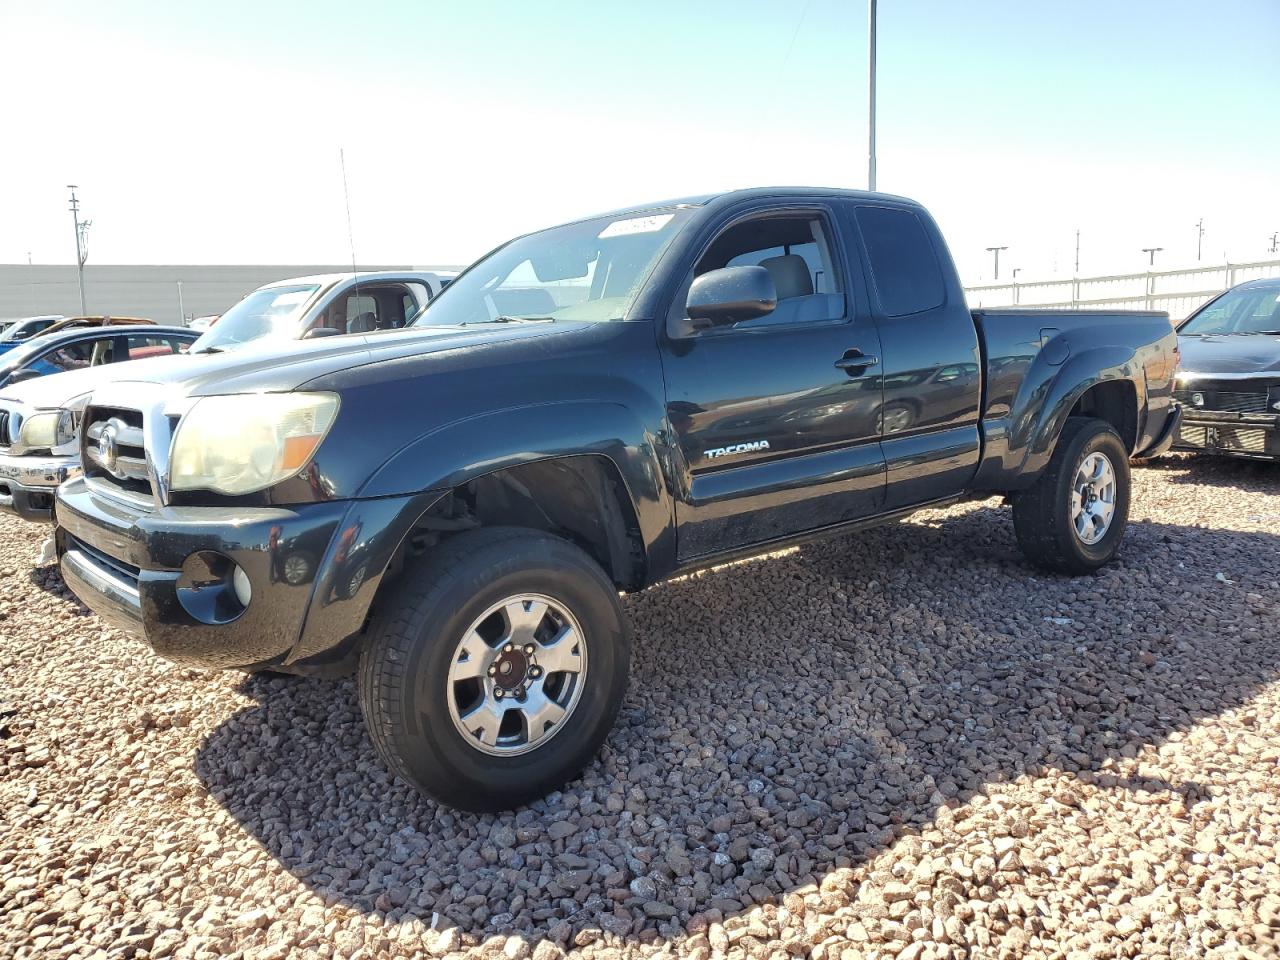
162,574
157,574
1233,434
27,484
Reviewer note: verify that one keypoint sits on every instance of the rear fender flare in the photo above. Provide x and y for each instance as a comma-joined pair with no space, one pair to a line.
1043,403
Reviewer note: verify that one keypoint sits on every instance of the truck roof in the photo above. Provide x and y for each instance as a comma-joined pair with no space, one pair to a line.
328,279
748,193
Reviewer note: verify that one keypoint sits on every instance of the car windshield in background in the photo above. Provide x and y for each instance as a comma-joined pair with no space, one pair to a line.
272,312
1238,312
590,270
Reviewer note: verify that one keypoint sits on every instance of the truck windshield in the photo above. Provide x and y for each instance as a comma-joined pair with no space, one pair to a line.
591,270
1238,311
268,312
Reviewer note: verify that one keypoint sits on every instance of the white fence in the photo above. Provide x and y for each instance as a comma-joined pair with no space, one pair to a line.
1176,291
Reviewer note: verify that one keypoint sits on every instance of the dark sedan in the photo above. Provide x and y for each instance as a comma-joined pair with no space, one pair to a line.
80,347
1229,382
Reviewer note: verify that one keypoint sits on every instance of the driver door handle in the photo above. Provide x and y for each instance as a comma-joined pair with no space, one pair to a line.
856,363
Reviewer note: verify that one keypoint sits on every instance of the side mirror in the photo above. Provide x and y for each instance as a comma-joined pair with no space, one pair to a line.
23,373
730,295
316,332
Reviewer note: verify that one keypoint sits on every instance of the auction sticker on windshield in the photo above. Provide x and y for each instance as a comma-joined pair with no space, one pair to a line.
622,228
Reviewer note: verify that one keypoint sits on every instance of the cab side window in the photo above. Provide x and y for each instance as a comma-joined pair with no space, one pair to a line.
362,313
138,348
798,255
904,265
72,356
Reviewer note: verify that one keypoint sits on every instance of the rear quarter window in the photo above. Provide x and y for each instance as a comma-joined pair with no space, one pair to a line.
904,265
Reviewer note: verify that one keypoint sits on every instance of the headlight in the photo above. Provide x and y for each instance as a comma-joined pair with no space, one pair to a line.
44,431
246,442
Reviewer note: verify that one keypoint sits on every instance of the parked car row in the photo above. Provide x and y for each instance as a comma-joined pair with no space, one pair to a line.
446,493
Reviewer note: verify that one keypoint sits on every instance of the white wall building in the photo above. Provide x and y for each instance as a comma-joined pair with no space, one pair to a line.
162,293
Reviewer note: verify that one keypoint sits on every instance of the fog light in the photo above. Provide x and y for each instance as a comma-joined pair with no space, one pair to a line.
243,589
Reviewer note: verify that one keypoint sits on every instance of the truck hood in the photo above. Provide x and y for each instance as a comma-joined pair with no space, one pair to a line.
277,366
1253,353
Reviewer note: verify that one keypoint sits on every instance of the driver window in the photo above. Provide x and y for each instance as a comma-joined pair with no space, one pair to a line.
74,356
796,252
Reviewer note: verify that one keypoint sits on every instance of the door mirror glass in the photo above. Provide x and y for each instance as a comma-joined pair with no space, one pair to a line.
731,295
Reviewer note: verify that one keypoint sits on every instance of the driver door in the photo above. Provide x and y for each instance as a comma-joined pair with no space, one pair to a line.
775,426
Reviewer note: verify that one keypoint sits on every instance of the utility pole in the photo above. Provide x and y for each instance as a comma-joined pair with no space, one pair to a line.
1199,237
1151,252
182,310
1275,237
1077,273
31,284
871,94
82,243
996,252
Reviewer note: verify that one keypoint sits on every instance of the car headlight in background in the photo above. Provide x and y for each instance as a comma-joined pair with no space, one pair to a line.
247,442
46,430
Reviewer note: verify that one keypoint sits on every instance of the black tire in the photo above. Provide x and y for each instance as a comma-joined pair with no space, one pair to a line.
1042,514
414,636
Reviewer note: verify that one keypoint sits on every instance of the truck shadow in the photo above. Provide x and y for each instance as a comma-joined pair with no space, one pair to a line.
786,717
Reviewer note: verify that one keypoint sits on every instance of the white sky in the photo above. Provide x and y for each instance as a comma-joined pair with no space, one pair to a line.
213,136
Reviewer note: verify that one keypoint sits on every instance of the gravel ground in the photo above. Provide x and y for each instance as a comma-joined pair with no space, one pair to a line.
903,743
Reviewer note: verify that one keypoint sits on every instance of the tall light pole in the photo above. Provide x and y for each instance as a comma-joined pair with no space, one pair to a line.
82,243
996,252
871,94
1275,241
1077,273
1151,252
1199,237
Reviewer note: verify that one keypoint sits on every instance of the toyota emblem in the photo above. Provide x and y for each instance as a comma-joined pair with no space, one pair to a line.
108,449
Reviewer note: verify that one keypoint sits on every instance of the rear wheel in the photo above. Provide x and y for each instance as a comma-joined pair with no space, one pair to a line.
1073,519
496,669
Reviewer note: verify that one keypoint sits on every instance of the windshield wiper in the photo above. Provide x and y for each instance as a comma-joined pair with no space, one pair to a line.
505,318
209,349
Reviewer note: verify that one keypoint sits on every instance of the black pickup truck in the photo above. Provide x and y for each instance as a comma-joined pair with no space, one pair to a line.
453,508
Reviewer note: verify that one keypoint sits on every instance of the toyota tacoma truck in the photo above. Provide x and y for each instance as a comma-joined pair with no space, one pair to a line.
588,410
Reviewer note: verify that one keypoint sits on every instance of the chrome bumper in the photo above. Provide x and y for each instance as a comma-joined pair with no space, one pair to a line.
27,483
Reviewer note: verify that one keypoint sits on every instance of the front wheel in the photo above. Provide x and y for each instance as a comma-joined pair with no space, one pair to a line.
496,669
1073,519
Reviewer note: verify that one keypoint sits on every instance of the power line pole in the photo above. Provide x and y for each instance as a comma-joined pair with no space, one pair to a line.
31,284
82,243
996,252
1077,273
1275,238
1151,252
871,94
1199,237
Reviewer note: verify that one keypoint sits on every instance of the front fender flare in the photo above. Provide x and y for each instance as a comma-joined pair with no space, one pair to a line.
405,487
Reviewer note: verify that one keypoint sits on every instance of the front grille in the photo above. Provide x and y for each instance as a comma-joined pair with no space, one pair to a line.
113,450
1224,437
1224,401
5,439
